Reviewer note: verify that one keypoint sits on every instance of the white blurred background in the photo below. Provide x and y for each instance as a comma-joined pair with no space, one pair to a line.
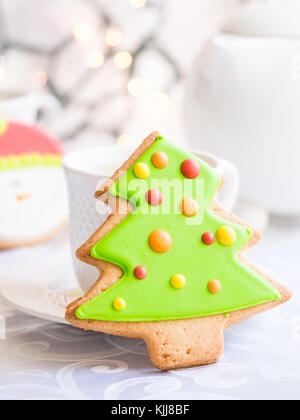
117,68
216,75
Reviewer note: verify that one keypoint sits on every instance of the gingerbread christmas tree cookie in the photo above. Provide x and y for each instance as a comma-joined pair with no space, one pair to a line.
172,261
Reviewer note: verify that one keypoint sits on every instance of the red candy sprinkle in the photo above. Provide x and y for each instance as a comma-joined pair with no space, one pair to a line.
208,238
190,169
154,197
140,273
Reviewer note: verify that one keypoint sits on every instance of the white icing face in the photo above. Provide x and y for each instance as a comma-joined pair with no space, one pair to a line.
33,203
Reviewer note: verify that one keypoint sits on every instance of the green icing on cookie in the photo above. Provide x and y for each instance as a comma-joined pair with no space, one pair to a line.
29,160
127,246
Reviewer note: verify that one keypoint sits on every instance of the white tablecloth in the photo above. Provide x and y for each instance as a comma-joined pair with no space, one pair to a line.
43,360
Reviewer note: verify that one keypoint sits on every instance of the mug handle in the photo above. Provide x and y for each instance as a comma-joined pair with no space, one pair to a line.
228,194
46,103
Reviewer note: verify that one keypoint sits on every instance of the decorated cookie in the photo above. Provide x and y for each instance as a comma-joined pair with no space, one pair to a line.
175,284
33,195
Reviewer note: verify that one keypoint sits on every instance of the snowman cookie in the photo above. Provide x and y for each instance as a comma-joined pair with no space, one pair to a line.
33,200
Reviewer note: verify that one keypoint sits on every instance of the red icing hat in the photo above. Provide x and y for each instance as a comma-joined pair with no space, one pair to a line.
19,139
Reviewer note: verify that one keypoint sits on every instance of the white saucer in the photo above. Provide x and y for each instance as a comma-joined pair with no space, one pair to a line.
44,289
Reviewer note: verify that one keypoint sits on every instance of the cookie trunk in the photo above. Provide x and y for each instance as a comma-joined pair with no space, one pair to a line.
187,344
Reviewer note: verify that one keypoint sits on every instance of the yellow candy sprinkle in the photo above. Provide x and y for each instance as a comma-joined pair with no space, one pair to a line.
141,170
226,235
119,304
3,127
178,281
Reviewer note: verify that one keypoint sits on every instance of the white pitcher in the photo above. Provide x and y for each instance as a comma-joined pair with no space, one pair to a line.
243,102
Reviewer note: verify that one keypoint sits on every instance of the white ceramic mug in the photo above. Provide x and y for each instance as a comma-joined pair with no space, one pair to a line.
86,169
24,106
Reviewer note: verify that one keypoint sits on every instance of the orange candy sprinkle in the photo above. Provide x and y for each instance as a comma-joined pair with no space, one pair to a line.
214,286
189,207
160,160
160,241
